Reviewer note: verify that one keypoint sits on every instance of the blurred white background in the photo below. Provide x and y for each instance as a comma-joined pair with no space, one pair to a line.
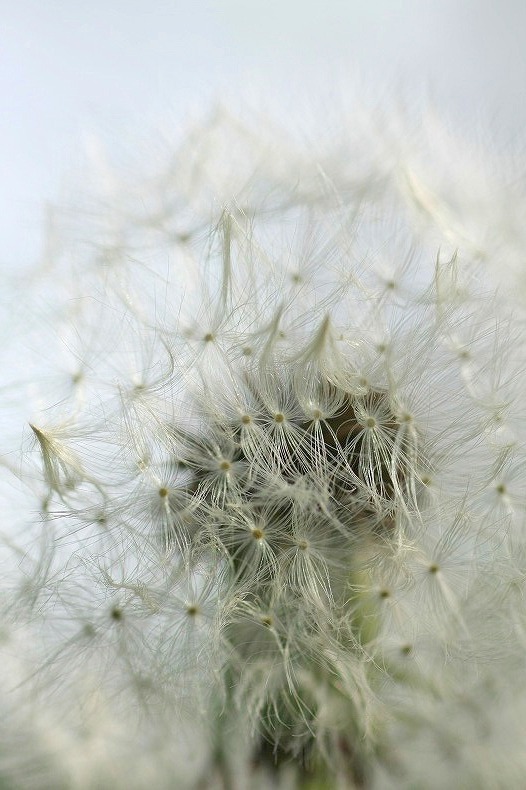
70,69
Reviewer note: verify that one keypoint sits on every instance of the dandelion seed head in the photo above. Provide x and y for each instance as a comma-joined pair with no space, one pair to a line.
302,459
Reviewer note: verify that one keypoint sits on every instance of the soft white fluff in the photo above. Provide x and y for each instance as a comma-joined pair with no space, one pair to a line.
281,494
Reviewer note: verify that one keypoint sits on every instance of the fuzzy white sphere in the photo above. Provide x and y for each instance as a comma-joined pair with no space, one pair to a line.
279,470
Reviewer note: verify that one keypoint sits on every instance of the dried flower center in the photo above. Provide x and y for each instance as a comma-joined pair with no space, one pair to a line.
348,459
